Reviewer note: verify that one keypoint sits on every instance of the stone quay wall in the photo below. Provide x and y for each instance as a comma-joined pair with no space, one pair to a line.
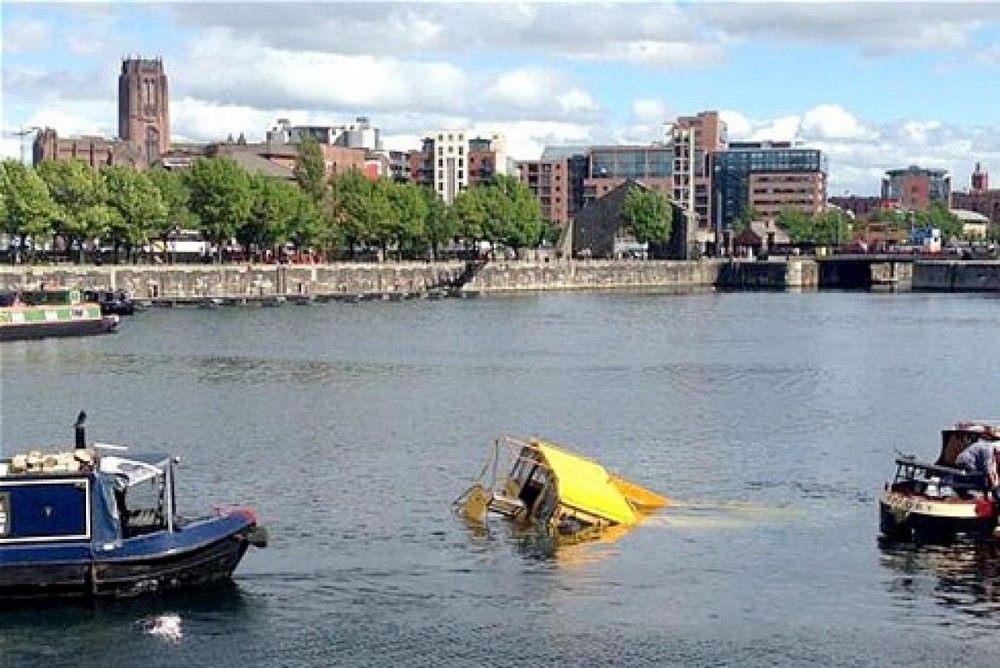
503,276
192,282
957,276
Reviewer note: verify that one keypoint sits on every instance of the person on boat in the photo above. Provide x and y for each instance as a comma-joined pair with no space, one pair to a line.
983,456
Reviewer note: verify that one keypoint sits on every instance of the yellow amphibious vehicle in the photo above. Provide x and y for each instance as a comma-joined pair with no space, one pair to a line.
554,489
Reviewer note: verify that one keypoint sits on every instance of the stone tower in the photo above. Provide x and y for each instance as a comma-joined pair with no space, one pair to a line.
980,180
143,113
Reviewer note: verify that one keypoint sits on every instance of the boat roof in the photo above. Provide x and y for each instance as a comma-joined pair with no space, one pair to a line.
586,485
134,468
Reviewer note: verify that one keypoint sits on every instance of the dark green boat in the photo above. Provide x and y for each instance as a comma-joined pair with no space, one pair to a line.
39,314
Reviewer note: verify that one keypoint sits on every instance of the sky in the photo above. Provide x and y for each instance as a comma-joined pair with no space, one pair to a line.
875,85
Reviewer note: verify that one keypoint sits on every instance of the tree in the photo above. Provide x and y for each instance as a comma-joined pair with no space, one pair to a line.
304,227
138,210
832,227
176,197
271,211
310,168
470,208
516,214
747,216
797,224
940,216
220,197
440,224
28,209
81,193
646,214
409,211
345,223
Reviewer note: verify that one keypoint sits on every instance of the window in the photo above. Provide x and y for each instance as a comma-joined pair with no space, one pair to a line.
451,149
461,174
451,138
461,150
440,163
440,186
460,162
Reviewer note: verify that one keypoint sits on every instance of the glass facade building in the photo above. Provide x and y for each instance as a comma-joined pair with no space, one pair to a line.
732,168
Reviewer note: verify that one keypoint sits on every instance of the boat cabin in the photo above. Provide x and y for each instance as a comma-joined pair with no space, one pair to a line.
553,488
84,495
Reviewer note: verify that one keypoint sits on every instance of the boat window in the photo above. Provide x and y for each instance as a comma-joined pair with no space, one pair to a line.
143,510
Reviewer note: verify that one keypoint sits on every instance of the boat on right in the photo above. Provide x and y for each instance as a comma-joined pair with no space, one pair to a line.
941,501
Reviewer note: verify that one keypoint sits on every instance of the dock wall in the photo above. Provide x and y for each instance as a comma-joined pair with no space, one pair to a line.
957,276
192,282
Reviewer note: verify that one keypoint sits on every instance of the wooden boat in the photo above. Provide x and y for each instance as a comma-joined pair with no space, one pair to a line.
554,489
939,502
37,314
98,521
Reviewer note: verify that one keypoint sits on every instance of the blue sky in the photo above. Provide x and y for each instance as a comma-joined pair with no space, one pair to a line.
874,85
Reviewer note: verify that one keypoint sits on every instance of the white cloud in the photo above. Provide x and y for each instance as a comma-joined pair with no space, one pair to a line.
30,35
543,91
831,121
650,111
876,28
264,76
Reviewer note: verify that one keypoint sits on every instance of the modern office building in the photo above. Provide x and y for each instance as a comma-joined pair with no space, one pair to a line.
916,187
767,177
358,135
610,166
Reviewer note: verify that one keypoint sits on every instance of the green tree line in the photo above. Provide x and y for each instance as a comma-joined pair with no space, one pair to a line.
339,216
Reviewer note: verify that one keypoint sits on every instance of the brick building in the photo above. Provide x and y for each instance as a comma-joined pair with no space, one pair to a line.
979,198
916,187
556,180
143,123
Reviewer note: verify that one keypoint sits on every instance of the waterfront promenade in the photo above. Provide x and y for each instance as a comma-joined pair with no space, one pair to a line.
180,283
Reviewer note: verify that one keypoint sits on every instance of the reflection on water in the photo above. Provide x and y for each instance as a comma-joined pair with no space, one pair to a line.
964,577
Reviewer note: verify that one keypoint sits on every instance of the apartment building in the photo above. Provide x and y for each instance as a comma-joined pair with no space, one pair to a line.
556,180
695,139
450,161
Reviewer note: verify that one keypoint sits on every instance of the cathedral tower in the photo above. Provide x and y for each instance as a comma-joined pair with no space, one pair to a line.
143,113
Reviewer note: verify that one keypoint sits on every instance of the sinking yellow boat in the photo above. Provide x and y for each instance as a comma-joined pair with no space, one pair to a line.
557,490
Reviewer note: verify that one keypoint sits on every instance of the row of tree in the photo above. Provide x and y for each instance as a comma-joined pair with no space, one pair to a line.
833,227
128,209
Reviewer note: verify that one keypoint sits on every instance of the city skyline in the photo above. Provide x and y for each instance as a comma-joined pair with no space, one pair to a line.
876,86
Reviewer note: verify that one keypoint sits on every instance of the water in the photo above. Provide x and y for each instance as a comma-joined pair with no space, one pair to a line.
771,418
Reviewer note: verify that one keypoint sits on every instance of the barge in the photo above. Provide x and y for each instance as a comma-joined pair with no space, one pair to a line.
39,314
99,521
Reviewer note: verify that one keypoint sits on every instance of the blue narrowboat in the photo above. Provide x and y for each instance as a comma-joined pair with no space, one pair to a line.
100,521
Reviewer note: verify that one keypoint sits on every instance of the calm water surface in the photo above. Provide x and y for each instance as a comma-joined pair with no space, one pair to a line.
770,417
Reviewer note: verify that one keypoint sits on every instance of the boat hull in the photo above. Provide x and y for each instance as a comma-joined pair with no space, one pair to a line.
119,578
44,330
917,518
